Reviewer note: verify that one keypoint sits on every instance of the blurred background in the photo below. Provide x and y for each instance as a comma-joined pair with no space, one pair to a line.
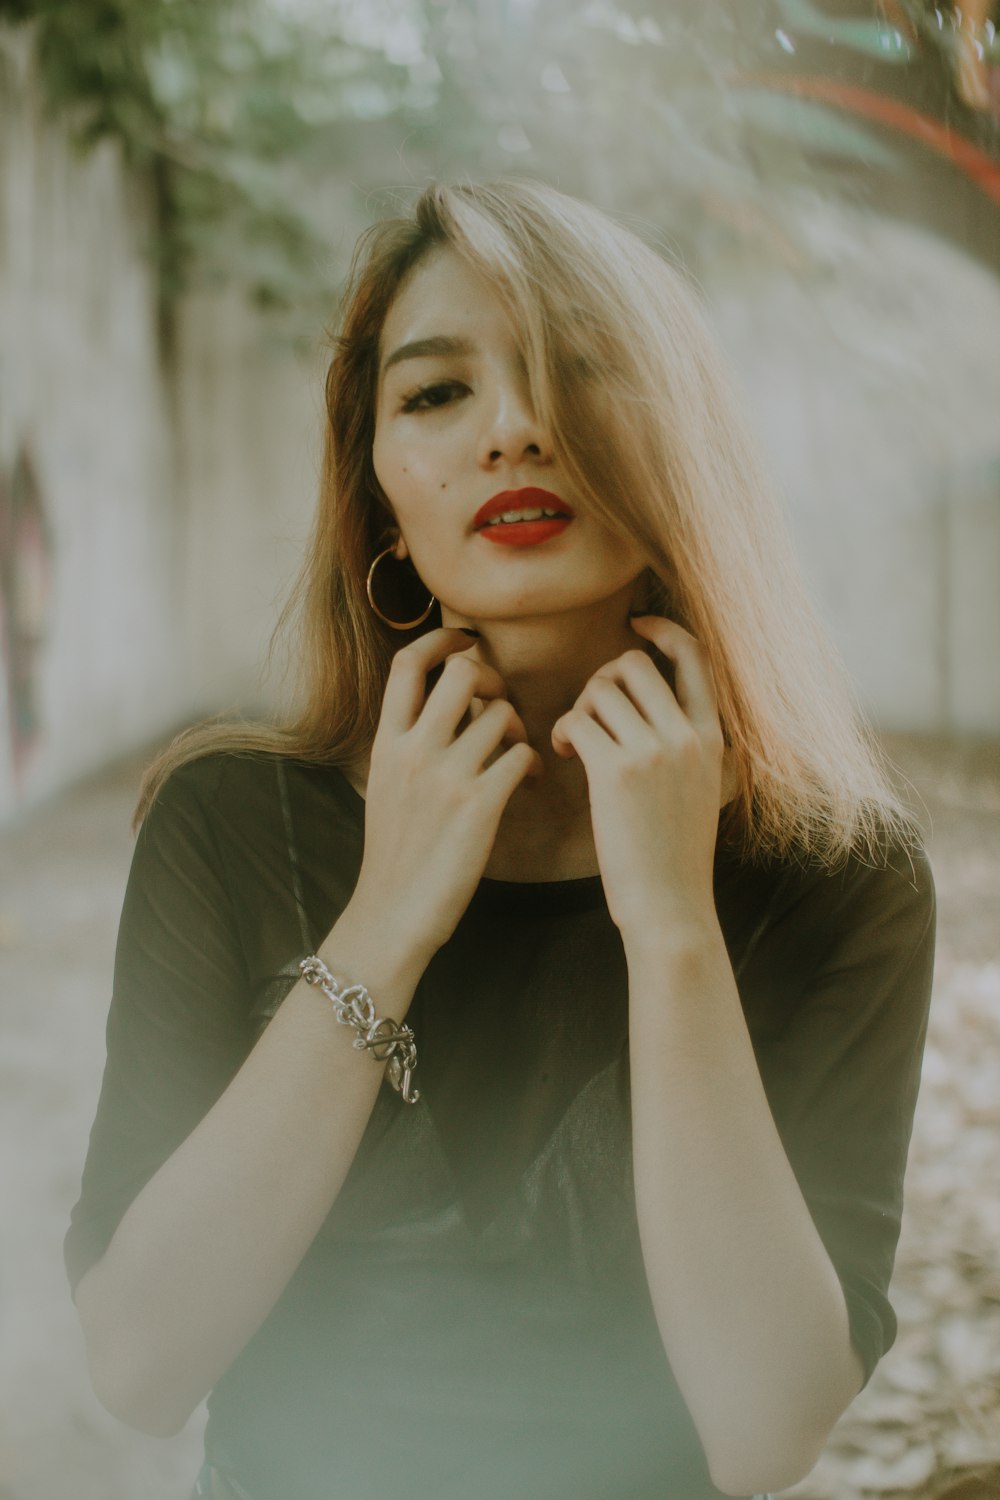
181,186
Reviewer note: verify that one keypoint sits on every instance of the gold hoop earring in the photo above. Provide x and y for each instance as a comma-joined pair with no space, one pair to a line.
396,624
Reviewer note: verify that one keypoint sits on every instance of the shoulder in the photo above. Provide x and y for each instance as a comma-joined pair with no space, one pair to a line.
890,886
864,935
236,784
255,811
892,879
203,806
805,934
219,772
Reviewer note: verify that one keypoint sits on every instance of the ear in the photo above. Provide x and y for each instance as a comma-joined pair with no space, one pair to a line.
400,550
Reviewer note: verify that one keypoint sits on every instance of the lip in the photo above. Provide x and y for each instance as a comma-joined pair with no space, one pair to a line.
526,499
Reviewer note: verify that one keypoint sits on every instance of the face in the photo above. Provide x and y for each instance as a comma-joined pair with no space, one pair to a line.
454,428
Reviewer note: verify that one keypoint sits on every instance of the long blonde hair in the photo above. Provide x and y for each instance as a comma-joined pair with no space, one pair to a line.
650,433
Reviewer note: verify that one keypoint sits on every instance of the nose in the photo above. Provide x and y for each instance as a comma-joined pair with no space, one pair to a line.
512,432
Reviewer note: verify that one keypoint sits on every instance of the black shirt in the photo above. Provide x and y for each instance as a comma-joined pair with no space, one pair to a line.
473,1318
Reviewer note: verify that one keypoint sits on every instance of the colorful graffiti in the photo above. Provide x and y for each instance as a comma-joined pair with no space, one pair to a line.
894,92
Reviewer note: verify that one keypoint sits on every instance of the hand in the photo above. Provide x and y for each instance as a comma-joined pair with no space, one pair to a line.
657,774
431,810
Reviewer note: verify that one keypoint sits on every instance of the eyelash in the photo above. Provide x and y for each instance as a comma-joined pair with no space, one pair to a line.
417,400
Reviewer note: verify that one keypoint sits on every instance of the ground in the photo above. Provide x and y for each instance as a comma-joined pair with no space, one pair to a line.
929,1418
931,1415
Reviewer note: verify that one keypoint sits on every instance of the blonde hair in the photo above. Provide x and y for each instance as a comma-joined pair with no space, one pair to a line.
651,436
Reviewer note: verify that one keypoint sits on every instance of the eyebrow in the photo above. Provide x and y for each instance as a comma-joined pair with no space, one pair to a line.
441,343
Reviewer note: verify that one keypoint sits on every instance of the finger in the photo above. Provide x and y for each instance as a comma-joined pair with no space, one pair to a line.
498,723
450,700
694,685
406,687
577,733
606,700
509,770
644,685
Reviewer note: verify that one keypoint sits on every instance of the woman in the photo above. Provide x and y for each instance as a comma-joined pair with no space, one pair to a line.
610,1207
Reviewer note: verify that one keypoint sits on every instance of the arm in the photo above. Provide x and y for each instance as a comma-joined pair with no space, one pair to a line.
206,1249
750,1215
748,1304
792,1199
213,1162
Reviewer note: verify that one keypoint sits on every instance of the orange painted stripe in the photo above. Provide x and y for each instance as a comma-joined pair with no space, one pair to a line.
897,15
970,159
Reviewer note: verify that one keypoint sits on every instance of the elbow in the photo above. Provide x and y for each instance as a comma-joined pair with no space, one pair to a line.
749,1473
128,1387
763,1461
774,1444
149,1421
129,1395
762,1456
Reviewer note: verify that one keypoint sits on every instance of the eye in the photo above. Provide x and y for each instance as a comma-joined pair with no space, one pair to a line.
426,397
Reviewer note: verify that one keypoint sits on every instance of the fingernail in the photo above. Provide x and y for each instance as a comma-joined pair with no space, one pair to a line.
466,631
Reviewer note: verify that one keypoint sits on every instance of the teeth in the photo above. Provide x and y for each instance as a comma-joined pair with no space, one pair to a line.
522,515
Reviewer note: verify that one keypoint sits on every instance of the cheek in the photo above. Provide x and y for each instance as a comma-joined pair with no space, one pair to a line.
392,459
409,479
385,463
619,553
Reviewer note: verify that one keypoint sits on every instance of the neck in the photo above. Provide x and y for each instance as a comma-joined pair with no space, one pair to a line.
545,662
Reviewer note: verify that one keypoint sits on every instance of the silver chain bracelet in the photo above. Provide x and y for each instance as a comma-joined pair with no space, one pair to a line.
386,1040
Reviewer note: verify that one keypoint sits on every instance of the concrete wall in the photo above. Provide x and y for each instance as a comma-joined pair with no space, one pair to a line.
248,428
875,384
171,501
82,402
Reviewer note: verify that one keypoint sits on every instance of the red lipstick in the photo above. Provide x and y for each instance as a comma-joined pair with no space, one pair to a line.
523,533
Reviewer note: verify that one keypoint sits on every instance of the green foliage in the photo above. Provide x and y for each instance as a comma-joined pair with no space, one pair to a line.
16,10
261,124
217,104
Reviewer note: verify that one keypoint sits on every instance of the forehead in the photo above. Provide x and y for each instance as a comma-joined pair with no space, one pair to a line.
443,295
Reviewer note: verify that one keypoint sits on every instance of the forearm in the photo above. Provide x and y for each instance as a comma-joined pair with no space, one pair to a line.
749,1306
206,1249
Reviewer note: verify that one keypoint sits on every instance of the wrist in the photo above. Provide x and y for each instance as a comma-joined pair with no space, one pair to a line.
388,1040
670,937
363,949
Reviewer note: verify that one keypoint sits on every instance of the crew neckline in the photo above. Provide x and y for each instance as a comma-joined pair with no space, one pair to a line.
538,898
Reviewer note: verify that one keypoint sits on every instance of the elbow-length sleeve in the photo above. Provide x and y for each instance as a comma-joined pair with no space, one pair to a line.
177,1027
842,1066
